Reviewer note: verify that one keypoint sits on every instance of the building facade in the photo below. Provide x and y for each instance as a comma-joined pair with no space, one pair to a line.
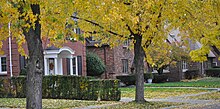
70,59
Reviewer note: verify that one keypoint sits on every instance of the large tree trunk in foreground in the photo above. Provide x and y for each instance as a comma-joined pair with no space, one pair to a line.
35,64
139,55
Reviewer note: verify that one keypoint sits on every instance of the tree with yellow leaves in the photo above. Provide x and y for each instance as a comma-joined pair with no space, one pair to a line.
32,21
160,56
147,22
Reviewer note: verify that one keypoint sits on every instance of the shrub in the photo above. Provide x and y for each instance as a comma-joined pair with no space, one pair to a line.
65,87
192,74
216,66
148,76
160,78
213,72
23,71
95,66
127,79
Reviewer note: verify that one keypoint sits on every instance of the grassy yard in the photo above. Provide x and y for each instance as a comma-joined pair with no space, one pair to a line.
147,105
208,82
61,103
49,103
210,96
159,92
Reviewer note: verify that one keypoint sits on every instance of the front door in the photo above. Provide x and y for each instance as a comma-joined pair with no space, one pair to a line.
51,66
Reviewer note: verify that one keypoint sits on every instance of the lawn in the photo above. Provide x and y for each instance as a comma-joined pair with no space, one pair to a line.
147,105
208,82
50,103
153,93
210,96
61,103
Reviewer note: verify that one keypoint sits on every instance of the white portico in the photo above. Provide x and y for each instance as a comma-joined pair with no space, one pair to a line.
53,64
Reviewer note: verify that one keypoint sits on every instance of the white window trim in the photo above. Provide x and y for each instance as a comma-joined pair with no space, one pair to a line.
76,65
216,64
126,44
5,72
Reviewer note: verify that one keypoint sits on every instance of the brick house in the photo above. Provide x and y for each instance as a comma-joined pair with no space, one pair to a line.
118,60
68,60
176,73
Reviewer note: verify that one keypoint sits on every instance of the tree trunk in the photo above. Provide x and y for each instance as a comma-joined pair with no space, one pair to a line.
139,55
35,64
160,71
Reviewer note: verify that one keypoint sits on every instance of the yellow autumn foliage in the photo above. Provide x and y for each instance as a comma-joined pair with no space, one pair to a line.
153,20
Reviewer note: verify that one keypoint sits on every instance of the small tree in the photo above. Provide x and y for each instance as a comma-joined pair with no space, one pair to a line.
95,66
161,56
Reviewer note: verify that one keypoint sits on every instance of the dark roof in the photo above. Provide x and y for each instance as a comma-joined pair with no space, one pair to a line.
52,48
91,43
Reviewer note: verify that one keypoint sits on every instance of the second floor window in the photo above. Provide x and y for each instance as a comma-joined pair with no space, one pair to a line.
124,65
184,65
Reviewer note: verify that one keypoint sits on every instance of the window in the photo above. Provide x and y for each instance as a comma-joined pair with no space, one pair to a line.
22,62
126,44
124,66
74,66
214,64
3,64
184,65
79,63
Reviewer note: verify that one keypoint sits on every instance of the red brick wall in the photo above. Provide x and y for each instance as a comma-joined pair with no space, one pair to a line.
109,57
15,58
120,53
113,59
80,50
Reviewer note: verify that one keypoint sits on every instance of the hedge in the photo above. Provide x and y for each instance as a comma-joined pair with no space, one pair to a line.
127,79
130,79
64,87
109,90
160,78
213,72
192,74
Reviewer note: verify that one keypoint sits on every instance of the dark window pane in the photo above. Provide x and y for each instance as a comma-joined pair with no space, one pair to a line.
74,65
79,62
4,68
22,62
3,64
3,60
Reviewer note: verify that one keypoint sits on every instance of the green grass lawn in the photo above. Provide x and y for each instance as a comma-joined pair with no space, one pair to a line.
208,82
151,93
147,105
50,103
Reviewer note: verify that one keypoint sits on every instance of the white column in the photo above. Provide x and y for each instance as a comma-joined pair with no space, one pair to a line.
76,65
55,66
71,66
10,51
45,67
